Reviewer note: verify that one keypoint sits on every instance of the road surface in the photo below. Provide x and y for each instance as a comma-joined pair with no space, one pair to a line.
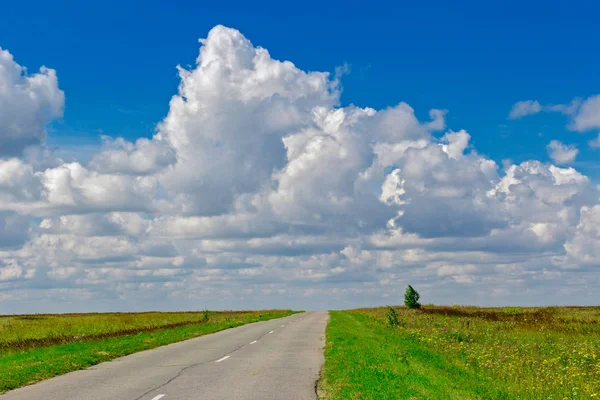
277,359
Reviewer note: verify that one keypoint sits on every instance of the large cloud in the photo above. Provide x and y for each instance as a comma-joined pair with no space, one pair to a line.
443,192
27,104
229,118
71,188
259,190
583,248
140,158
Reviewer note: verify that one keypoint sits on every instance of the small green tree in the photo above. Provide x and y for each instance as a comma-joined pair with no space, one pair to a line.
392,318
206,314
411,298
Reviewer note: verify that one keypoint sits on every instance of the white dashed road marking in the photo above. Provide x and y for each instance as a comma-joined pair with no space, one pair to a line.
271,332
160,396
254,342
222,359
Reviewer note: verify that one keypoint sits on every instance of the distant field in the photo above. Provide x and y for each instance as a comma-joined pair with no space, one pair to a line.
27,331
463,353
36,347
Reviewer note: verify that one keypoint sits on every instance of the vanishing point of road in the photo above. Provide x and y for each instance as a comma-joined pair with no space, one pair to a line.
276,359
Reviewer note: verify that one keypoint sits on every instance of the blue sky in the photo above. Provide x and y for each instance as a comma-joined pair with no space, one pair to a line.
458,152
116,60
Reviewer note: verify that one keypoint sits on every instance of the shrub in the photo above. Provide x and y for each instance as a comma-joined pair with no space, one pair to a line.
392,318
205,314
411,298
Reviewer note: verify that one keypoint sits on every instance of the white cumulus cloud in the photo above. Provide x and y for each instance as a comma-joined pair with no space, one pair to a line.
259,189
28,102
562,153
588,115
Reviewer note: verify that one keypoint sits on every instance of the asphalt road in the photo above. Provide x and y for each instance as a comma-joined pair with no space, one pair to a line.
277,359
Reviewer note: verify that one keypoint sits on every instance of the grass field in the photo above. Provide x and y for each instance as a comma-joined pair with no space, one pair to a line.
36,347
463,353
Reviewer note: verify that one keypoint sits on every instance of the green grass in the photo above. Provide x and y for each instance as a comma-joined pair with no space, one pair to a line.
37,347
463,353
27,331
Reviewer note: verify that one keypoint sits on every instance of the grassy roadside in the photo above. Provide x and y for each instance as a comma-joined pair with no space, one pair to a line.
465,353
20,367
365,360
42,330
